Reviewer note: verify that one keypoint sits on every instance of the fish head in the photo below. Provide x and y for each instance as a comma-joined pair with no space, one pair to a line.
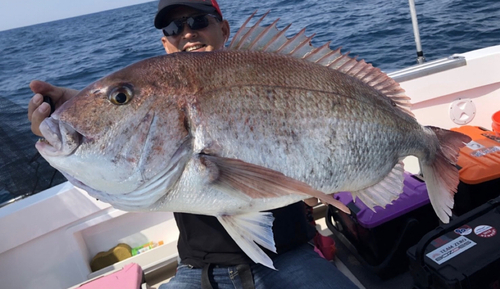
122,134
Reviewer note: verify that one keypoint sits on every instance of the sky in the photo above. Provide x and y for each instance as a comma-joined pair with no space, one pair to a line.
15,13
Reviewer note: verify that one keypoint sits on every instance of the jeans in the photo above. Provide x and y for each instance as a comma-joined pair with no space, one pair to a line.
298,268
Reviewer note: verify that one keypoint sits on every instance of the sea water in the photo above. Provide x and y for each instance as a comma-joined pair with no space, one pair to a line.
77,51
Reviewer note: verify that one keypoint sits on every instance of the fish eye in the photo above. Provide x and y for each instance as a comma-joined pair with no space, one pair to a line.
120,95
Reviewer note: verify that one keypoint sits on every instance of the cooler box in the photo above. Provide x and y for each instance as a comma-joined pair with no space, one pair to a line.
462,254
479,163
130,277
380,239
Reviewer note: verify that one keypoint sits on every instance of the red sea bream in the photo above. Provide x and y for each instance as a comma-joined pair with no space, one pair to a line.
263,124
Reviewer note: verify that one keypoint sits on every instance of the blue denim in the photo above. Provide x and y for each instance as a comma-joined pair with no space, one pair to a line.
299,268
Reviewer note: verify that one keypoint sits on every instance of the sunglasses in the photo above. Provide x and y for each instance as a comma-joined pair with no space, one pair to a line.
194,22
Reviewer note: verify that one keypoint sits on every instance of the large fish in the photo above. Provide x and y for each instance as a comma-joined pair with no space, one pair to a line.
263,124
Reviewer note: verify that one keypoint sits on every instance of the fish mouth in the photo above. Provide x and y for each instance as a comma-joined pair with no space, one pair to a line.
59,138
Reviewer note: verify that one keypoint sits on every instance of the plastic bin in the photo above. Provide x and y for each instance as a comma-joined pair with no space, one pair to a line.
380,239
462,254
479,163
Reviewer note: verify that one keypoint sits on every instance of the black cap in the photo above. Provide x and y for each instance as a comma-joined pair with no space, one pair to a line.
164,6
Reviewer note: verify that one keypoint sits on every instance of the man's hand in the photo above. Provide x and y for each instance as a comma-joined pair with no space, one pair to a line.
39,110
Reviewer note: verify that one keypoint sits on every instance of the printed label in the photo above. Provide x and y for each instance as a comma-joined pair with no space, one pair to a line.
474,145
485,231
451,249
464,230
485,151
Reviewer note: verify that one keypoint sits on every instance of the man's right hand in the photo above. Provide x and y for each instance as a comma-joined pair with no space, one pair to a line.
39,110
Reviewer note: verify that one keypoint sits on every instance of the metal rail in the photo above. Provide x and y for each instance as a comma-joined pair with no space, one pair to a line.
428,68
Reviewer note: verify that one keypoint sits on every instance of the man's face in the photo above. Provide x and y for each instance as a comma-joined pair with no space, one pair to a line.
209,38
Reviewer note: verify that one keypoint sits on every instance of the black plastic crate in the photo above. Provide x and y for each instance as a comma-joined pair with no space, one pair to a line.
462,254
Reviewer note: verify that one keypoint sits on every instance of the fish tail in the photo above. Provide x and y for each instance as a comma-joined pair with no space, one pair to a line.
441,174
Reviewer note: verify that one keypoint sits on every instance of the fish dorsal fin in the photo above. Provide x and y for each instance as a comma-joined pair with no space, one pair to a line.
271,39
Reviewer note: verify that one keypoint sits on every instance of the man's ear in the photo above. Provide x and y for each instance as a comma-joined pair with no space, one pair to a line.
164,42
225,30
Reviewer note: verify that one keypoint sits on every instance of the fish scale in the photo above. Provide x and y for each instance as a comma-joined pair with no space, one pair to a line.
237,106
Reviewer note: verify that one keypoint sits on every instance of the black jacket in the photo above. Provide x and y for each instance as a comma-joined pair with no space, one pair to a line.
203,240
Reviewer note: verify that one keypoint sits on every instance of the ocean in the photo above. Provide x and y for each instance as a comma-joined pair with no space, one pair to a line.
77,51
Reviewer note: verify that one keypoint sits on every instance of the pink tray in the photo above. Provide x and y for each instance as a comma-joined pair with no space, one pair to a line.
130,277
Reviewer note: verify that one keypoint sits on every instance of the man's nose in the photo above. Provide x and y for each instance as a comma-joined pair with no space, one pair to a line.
187,32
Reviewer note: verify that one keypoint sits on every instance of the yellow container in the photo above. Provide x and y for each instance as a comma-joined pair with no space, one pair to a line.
116,254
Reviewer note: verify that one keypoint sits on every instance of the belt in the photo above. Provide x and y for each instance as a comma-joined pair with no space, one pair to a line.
243,271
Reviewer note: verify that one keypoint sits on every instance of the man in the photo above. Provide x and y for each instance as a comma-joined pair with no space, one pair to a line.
208,255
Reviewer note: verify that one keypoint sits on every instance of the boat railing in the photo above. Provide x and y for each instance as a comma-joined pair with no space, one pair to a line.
428,68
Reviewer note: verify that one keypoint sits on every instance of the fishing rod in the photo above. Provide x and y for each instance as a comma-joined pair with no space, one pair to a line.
414,21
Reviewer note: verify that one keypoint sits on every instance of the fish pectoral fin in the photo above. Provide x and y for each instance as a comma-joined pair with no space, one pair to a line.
249,181
385,191
250,229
